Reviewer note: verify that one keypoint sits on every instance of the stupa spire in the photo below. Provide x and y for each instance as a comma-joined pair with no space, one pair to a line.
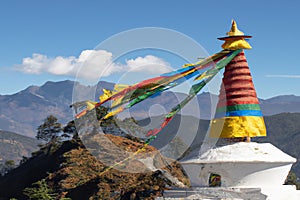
235,39
238,112
234,31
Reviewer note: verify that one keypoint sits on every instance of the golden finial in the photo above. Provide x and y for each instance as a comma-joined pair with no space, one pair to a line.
234,31
235,39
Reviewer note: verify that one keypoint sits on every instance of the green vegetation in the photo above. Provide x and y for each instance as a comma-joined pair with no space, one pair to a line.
7,166
292,180
49,130
40,191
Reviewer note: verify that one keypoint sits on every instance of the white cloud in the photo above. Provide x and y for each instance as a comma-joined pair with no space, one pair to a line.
149,63
90,64
283,76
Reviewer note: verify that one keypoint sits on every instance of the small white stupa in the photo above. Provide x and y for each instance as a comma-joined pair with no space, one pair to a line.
239,168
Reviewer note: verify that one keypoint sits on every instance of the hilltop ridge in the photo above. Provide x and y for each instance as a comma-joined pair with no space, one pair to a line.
71,171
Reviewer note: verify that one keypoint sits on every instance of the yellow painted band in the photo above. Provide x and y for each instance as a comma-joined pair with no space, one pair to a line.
238,126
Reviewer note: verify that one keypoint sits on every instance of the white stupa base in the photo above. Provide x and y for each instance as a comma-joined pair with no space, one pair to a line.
243,165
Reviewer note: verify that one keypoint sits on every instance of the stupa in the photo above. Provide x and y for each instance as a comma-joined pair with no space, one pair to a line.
238,168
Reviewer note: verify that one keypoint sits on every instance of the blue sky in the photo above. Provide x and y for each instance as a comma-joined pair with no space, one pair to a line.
66,28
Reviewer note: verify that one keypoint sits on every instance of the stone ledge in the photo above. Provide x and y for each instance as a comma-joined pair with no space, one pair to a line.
214,193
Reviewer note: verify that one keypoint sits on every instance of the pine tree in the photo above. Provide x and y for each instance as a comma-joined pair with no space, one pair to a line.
7,166
49,130
40,191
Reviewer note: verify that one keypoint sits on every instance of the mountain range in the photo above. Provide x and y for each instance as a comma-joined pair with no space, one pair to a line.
24,111
14,146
